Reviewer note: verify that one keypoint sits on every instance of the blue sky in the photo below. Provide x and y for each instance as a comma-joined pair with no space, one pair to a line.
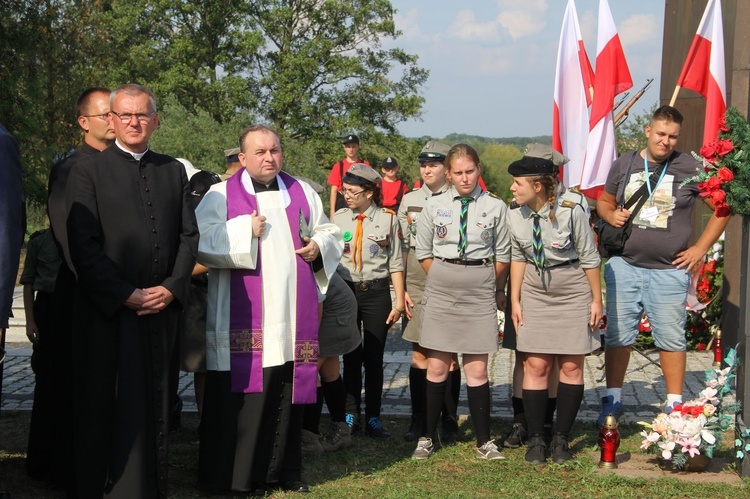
492,62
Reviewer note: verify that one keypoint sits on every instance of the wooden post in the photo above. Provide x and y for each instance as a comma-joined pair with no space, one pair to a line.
735,314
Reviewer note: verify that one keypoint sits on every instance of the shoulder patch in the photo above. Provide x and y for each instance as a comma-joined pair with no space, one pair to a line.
568,204
514,205
342,210
492,195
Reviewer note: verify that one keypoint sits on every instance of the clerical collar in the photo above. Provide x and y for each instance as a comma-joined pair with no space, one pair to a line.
261,187
136,156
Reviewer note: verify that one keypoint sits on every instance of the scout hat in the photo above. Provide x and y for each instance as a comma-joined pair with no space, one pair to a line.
538,159
433,151
231,154
389,162
351,138
361,174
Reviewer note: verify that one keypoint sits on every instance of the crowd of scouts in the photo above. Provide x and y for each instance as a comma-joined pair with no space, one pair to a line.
440,258
446,250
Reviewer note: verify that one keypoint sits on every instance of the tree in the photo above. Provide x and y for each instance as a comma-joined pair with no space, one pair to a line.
630,134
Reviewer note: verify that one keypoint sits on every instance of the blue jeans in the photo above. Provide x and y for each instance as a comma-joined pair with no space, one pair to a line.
661,293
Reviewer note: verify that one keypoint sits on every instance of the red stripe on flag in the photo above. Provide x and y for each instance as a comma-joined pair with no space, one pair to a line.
613,73
695,73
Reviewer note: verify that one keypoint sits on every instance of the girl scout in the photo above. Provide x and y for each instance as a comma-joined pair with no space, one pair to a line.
372,255
554,276
463,245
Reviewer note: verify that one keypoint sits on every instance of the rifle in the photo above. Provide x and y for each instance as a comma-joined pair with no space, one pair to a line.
623,115
619,102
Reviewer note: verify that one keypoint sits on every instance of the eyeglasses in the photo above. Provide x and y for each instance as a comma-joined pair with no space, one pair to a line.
142,118
347,192
103,116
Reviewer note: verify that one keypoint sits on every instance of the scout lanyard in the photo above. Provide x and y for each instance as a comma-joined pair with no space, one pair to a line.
648,183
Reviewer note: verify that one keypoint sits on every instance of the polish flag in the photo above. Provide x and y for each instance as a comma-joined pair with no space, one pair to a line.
573,94
704,70
612,78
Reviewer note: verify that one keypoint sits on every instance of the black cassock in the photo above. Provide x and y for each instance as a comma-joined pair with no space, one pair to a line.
130,226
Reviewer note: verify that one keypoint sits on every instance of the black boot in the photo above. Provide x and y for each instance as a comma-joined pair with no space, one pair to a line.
560,450
536,450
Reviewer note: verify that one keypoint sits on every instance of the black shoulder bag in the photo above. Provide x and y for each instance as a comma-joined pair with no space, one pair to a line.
610,239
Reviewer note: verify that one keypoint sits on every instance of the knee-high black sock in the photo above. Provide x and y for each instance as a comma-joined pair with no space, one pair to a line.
549,414
519,416
417,381
434,396
569,399
535,406
335,395
450,404
479,407
311,418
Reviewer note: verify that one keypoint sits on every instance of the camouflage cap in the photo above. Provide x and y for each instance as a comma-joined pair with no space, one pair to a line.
544,151
433,150
360,174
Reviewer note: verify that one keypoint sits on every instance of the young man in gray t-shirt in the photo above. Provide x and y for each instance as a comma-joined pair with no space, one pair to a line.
653,273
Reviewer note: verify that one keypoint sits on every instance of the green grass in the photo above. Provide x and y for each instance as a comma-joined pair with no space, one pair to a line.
383,469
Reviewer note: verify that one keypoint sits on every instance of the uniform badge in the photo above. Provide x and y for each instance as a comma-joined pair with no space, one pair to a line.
441,231
346,247
413,229
374,249
347,236
485,235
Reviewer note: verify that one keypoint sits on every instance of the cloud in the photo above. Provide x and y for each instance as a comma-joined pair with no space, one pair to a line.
522,17
639,28
466,27
408,24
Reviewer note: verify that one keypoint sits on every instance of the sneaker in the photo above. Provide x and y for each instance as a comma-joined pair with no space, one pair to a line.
374,428
609,406
516,437
560,450
424,449
416,429
536,450
337,437
352,420
450,430
489,452
668,408
311,445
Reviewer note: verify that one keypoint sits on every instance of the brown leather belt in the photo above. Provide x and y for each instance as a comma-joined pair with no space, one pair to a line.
467,263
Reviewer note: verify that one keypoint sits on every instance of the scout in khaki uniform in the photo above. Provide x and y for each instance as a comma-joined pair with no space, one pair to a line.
555,294
372,255
463,246
434,182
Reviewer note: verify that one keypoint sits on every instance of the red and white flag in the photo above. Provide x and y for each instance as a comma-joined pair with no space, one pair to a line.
704,70
574,80
612,78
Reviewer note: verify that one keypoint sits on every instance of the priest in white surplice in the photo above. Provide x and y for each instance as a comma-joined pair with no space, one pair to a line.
270,250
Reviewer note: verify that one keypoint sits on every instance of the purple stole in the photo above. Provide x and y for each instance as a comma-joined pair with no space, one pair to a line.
246,303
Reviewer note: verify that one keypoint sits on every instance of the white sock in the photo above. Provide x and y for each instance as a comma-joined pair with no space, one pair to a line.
674,397
616,394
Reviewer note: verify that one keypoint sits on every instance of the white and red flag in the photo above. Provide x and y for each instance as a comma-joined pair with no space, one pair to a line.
612,78
574,80
704,70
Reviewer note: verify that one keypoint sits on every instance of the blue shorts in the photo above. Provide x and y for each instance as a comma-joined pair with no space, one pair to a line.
661,293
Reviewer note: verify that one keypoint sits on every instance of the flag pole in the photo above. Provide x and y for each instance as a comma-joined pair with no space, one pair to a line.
674,95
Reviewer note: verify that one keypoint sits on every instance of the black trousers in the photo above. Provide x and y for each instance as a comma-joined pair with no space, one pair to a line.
373,307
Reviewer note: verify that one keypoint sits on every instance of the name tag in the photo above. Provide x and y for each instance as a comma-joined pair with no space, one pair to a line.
443,216
650,214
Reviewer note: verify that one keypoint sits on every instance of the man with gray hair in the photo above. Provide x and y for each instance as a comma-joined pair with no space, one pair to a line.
133,240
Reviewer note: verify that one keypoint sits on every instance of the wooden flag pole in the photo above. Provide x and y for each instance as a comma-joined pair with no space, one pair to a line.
674,95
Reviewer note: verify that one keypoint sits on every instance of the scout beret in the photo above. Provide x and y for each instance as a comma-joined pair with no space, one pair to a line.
389,162
231,154
351,138
361,174
433,151
538,159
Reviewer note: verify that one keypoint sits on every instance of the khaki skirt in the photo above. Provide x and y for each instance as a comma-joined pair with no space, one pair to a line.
556,312
338,333
415,281
459,313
